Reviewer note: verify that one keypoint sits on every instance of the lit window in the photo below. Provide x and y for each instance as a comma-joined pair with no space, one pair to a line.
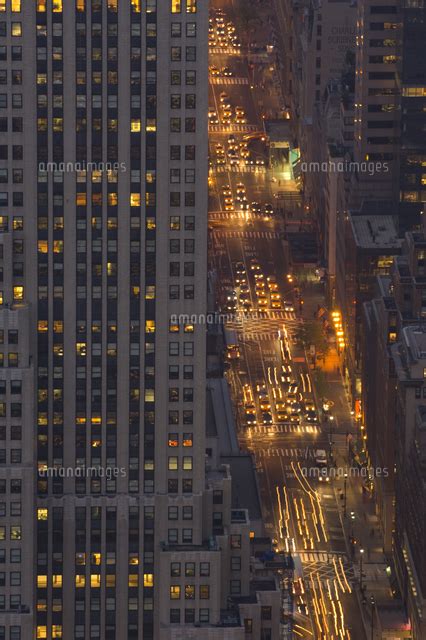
95,580
150,223
150,326
149,395
80,581
135,126
56,581
16,29
110,580
57,6
150,292
133,580
187,463
191,6
133,559
15,532
176,6
173,463
136,6
81,199
80,348
187,440
16,6
2,5
148,579
18,293
151,125
56,631
42,514
112,5
41,582
41,632
79,5
173,440
135,199
174,592
42,326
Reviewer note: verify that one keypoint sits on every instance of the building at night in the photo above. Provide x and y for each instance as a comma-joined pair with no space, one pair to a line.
409,359
399,301
366,244
128,532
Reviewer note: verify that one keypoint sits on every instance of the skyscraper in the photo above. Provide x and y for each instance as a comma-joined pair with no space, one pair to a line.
103,163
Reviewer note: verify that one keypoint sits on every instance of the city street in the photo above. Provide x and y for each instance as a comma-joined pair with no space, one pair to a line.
279,419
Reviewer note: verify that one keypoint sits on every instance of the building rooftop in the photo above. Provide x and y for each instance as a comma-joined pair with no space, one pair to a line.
245,493
267,584
375,232
220,419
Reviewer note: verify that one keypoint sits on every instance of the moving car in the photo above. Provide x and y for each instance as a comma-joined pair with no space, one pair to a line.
288,306
266,418
320,457
272,283
282,416
250,413
311,416
214,71
254,265
226,71
262,301
229,204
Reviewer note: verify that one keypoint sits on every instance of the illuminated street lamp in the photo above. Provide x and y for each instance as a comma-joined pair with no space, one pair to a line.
373,604
344,489
330,433
361,554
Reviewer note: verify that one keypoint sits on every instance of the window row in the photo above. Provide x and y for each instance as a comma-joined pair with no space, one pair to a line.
14,556
189,616
14,458
15,29
188,569
186,463
189,591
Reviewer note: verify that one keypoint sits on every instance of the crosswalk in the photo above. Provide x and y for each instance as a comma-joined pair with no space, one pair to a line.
270,235
260,337
228,80
240,168
283,428
230,51
234,128
317,556
322,565
279,452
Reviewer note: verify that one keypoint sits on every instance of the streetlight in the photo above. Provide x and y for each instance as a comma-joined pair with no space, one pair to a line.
361,553
330,433
373,604
344,489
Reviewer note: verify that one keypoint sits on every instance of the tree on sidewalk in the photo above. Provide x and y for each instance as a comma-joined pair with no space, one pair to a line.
246,17
312,333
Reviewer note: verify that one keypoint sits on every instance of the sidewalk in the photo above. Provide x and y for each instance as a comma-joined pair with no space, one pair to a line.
364,526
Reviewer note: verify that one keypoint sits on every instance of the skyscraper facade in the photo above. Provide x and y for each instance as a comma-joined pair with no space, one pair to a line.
103,162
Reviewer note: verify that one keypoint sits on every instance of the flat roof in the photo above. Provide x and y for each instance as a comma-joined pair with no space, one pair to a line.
375,232
245,494
220,419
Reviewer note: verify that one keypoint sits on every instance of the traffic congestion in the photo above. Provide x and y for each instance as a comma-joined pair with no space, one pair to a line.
279,418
